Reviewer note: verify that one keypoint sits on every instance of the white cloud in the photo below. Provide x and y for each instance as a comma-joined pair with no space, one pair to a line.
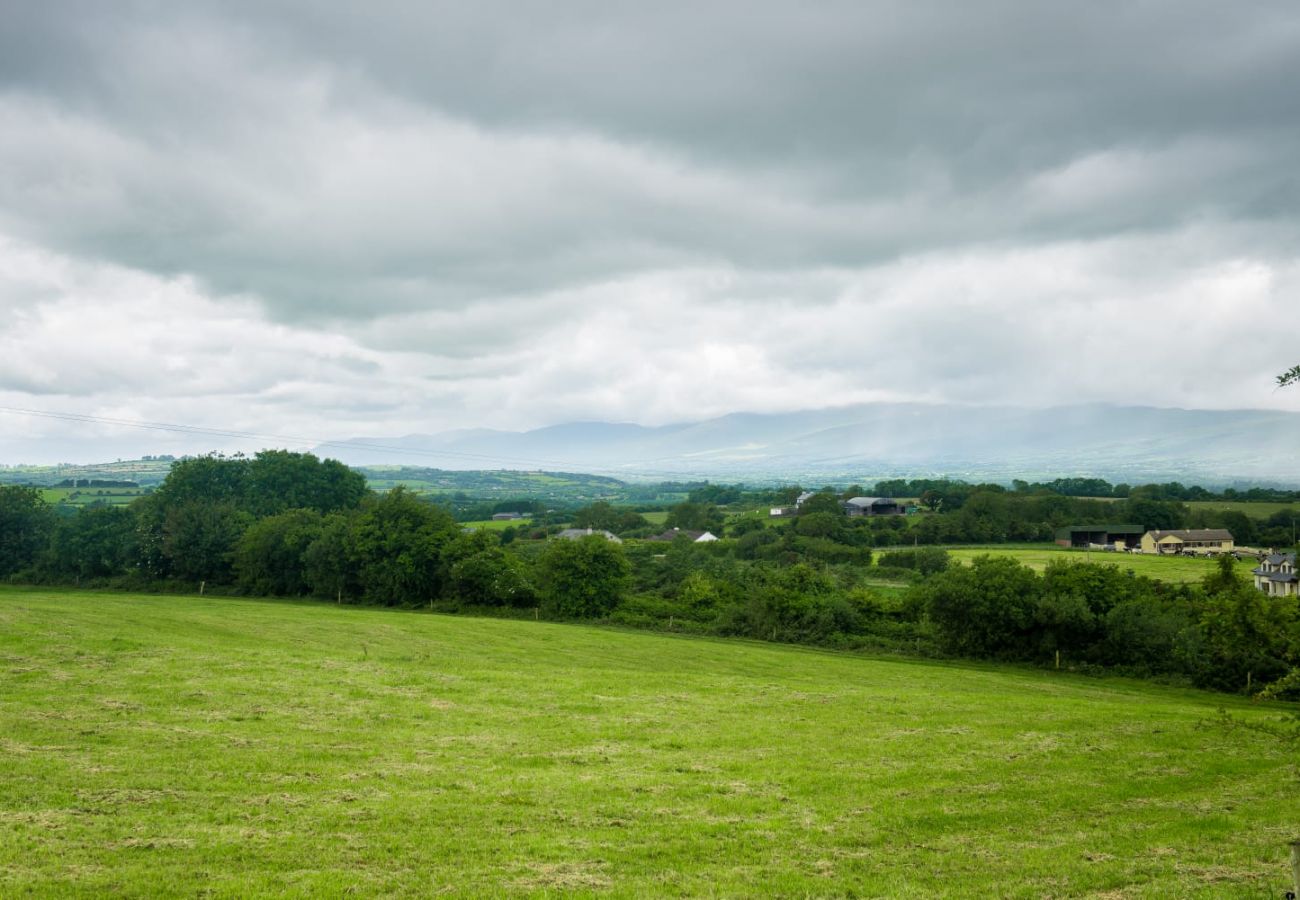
369,224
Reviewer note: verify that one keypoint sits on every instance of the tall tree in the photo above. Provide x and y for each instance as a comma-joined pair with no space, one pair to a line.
398,540
583,578
25,524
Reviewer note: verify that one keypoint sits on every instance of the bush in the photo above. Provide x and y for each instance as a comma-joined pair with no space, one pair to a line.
585,578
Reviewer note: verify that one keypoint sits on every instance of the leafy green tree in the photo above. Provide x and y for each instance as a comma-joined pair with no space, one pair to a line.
696,517
824,501
26,522
602,516
985,609
926,560
199,539
279,480
270,557
1144,634
1245,634
491,577
330,564
99,541
830,525
585,578
398,541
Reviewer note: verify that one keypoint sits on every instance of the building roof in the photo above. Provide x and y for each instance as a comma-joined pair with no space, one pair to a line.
1283,577
870,501
573,534
1194,534
673,533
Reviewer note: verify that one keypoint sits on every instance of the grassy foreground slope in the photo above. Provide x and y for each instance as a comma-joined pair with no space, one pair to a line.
233,748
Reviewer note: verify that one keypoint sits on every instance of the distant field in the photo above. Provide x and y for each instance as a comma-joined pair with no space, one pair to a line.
85,496
1254,509
184,746
1176,569
658,517
494,525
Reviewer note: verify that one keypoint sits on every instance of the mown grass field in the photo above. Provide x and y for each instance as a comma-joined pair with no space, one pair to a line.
497,524
1174,569
183,746
85,496
1256,509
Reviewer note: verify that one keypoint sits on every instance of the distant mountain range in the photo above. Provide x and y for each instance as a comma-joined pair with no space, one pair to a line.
870,441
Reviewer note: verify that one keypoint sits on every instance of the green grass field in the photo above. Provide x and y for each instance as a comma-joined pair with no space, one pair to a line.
85,496
1175,569
1256,509
498,525
182,746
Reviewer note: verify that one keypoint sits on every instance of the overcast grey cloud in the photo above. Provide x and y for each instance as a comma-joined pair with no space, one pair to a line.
333,219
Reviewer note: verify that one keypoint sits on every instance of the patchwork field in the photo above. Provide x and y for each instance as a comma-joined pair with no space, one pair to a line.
154,745
1256,509
1177,569
86,496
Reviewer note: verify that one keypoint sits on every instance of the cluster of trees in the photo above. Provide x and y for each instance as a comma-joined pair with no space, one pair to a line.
289,524
1222,634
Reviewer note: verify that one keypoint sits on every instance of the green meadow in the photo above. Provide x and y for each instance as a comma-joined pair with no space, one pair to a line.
183,746
78,497
1176,569
1256,509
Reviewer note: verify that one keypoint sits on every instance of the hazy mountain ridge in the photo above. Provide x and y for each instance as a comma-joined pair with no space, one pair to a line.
1119,442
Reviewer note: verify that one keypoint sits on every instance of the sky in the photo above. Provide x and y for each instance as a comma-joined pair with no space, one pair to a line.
316,220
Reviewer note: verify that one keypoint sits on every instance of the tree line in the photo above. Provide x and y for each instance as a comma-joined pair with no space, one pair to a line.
289,524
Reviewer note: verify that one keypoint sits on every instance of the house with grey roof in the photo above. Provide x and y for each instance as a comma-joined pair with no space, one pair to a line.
577,534
1276,575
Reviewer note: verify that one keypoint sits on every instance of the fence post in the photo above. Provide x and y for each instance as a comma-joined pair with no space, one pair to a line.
202,585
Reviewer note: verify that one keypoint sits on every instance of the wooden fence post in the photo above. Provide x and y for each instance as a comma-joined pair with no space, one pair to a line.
202,585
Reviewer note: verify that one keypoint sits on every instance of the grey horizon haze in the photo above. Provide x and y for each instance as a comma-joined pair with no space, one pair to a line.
328,220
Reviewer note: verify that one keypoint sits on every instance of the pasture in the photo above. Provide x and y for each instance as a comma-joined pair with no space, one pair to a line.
182,746
78,497
1174,569
1255,509
497,524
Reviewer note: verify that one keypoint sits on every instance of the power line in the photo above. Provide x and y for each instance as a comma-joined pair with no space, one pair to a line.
322,442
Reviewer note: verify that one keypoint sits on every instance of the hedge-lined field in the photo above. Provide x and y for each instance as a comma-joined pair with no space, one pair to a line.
1174,569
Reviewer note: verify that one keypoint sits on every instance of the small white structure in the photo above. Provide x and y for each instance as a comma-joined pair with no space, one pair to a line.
697,537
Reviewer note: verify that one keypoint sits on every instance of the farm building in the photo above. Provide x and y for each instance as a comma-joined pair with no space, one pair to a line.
506,516
872,506
1276,575
698,537
576,534
1196,541
1121,537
